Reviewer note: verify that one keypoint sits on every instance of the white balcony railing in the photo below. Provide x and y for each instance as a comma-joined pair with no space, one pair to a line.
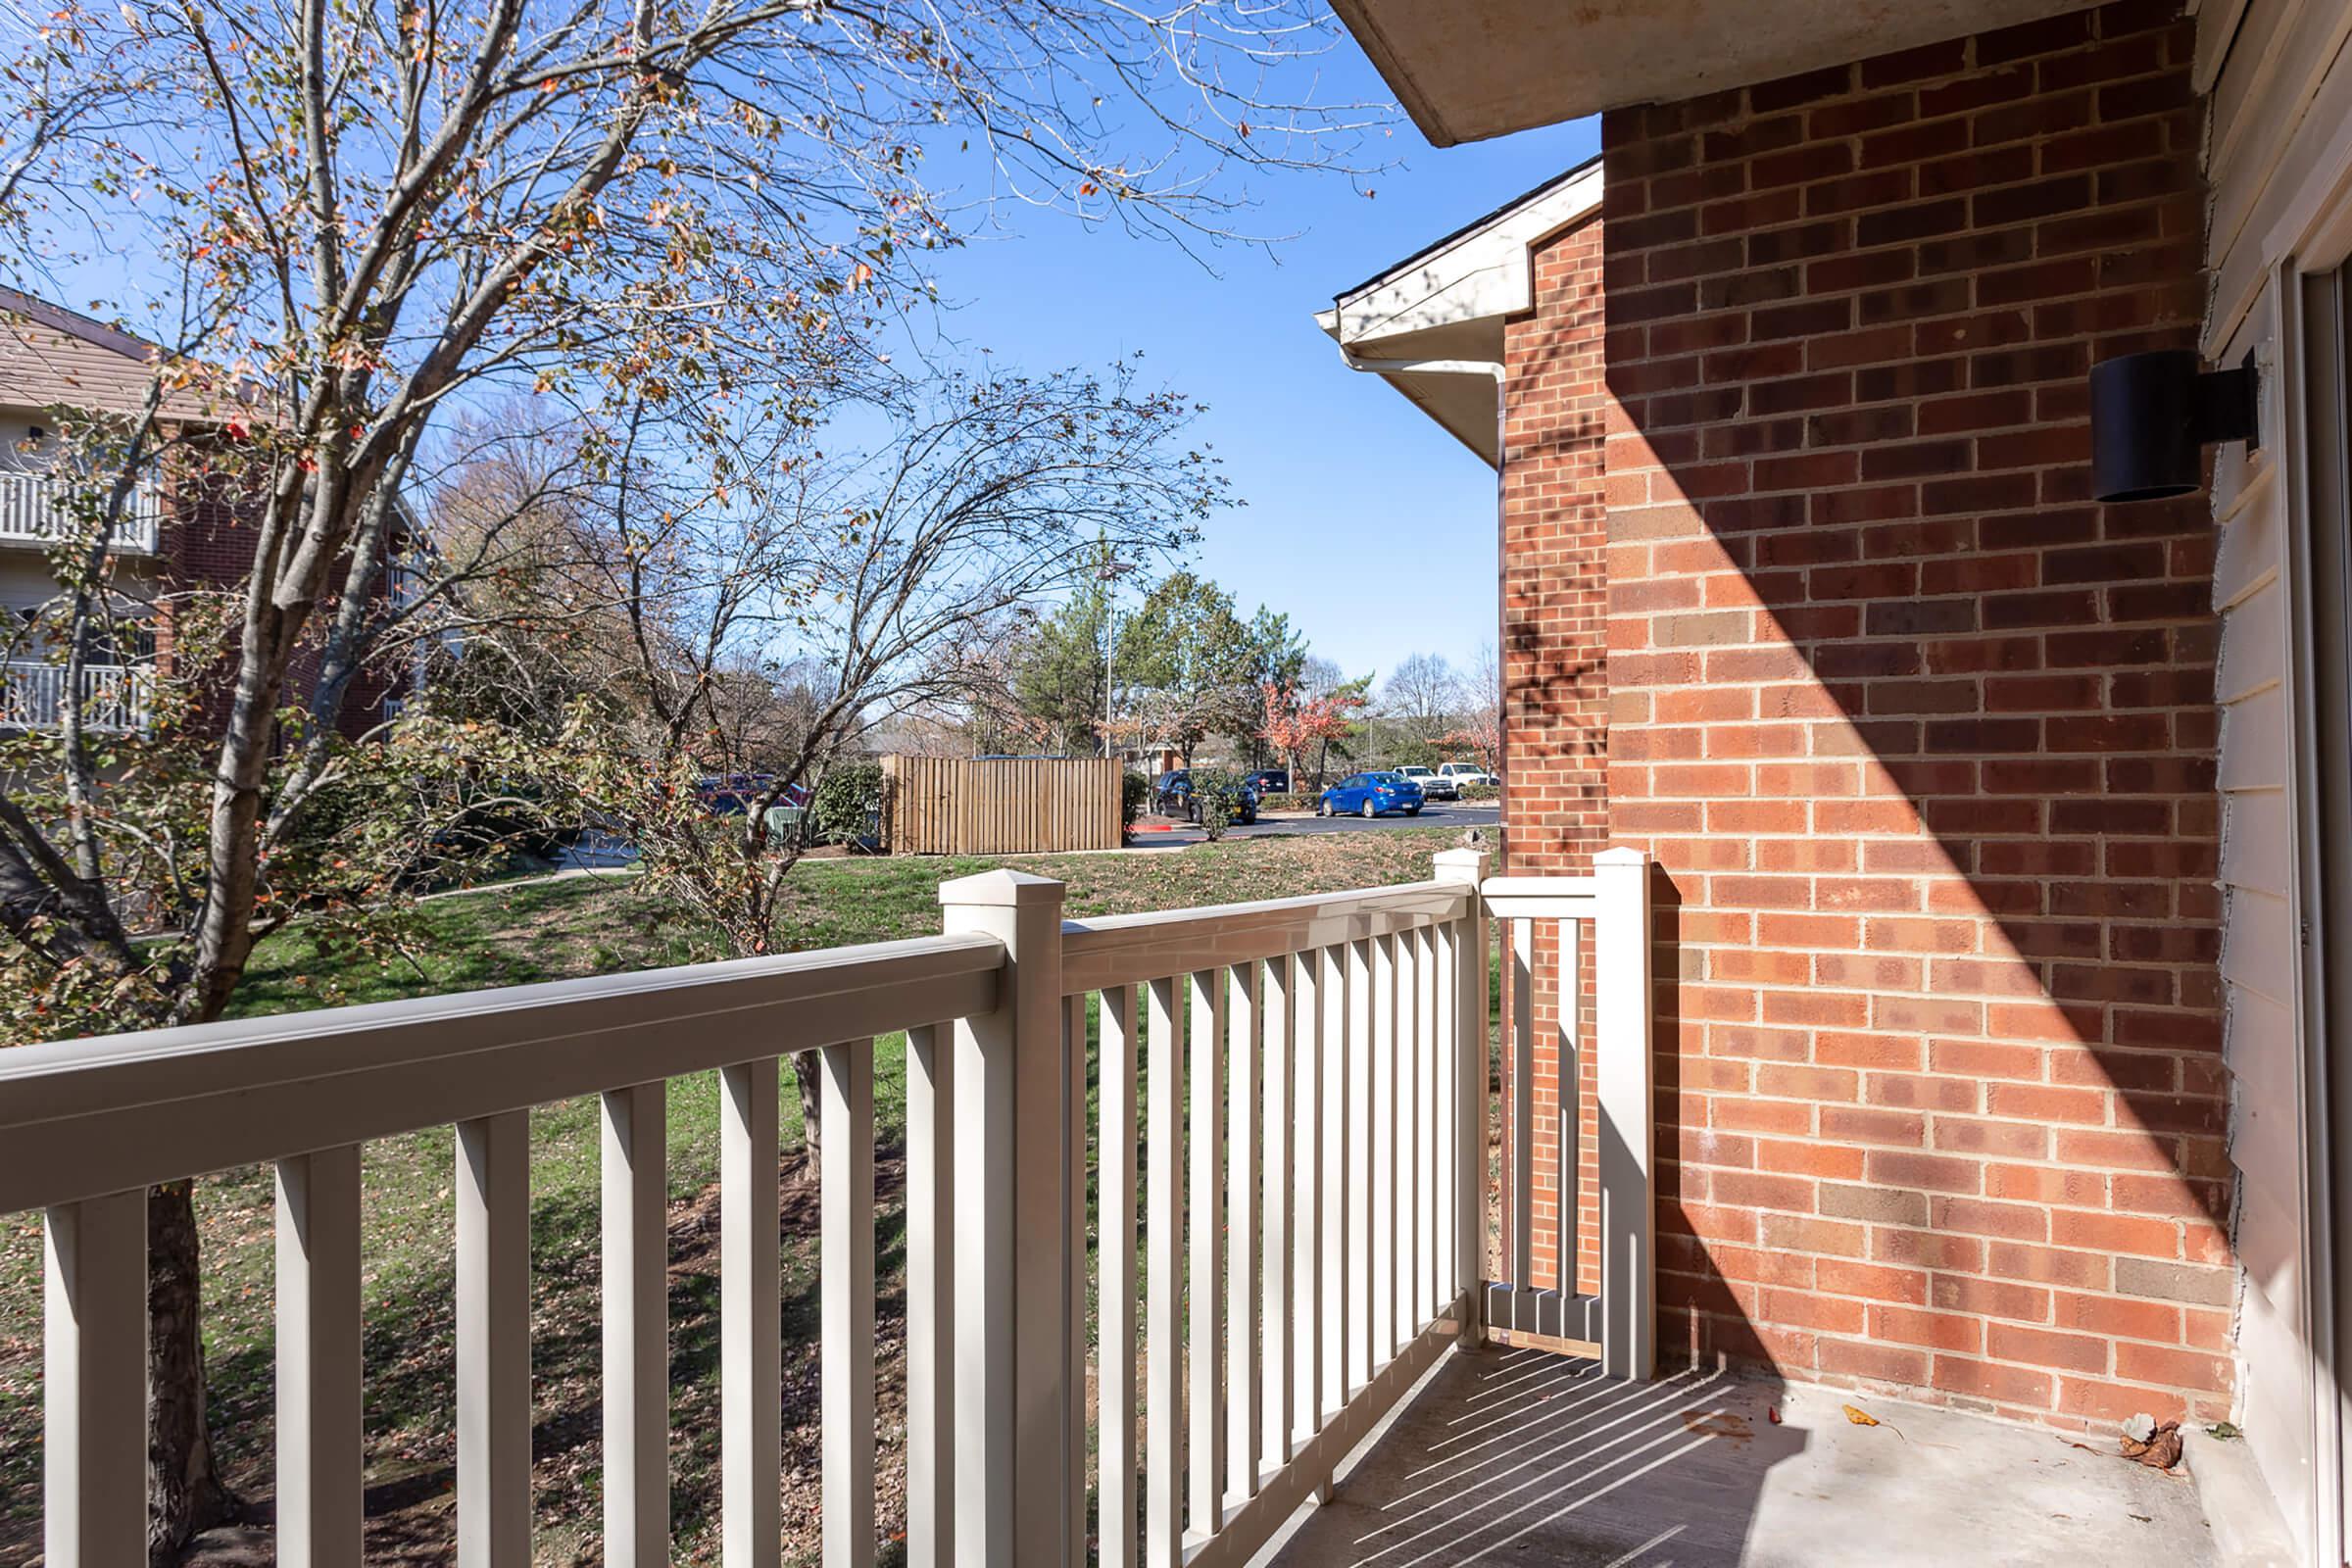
113,697
1301,1085
30,512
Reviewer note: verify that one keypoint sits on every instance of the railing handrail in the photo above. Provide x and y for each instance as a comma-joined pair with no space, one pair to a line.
85,1117
1575,897
1132,949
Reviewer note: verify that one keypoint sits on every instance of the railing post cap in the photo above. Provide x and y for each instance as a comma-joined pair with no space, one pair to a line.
1001,890
1452,863
1621,856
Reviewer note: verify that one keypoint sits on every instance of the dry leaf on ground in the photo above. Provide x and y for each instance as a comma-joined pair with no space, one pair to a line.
1860,1417
2161,1450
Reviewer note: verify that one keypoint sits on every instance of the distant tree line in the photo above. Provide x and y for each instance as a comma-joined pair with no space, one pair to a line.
1186,672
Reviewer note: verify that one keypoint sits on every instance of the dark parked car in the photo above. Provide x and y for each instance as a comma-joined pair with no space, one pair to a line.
1370,795
732,793
1269,781
1172,794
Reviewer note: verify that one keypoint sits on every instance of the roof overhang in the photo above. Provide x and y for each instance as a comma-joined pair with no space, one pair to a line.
1466,70
1432,325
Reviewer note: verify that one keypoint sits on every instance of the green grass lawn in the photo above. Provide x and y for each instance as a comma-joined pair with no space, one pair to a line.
553,930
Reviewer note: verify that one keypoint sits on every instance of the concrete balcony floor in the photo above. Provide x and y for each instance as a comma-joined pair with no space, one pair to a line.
1519,1457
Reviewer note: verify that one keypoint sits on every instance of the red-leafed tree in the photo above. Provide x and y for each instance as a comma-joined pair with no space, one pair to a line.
1296,722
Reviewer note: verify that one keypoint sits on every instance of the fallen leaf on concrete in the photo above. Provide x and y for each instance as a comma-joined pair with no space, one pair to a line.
1863,1418
2160,1451
1771,1413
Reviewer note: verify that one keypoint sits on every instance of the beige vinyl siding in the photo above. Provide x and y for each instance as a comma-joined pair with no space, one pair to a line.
2277,75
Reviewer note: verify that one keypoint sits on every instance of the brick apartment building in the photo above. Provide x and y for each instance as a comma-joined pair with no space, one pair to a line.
184,532
1987,1059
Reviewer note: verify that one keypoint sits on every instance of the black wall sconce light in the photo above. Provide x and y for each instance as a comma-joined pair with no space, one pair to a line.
2153,415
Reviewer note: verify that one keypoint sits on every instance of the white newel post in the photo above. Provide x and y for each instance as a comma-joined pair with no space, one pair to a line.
1016,1407
1465,1036
1623,1014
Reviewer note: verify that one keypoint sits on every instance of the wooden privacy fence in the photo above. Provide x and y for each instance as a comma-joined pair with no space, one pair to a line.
1001,806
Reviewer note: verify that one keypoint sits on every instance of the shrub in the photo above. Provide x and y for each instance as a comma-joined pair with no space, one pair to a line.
1295,801
1135,792
846,805
1219,795
1481,792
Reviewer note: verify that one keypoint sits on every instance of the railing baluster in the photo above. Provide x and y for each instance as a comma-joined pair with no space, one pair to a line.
1274,1401
1520,1192
1382,1101
1446,1046
1407,1035
1358,1188
1466,1071
1339,1196
1306,1208
493,1341
1243,1056
1206,1003
1075,1135
846,1284
319,1420
94,1370
1118,1342
1427,1119
1163,1492
930,1301
751,1348
1569,1044
636,1260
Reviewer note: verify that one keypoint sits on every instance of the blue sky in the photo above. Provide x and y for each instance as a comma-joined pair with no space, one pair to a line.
1372,527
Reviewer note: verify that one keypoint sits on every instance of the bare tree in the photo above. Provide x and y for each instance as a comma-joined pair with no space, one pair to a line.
1420,694
369,215
737,642
1479,725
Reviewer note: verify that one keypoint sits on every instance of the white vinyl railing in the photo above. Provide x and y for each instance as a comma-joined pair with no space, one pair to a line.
29,512
1292,1112
1607,911
32,696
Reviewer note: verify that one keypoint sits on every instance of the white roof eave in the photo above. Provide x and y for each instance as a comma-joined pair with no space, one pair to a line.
1432,325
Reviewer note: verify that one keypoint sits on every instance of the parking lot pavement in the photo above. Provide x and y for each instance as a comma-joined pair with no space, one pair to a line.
1160,833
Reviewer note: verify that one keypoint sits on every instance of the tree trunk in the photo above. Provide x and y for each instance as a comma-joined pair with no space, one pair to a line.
184,1493
806,1072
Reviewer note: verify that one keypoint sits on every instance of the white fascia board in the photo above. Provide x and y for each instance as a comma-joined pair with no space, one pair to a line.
1483,273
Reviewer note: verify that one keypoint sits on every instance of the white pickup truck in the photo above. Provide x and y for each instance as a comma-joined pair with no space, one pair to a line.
1435,786
1461,773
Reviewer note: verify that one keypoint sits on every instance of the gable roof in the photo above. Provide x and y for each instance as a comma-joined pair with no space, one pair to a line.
50,355
1431,326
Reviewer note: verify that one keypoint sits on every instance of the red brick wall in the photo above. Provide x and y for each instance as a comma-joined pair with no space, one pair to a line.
208,545
1922,738
1555,645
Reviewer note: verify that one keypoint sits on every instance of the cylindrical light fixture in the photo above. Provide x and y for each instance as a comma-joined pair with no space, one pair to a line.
2151,416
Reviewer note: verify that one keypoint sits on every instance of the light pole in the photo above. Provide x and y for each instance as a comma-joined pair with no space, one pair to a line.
1109,574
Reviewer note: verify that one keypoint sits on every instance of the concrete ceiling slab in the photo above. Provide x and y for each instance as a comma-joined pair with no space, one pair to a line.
1467,69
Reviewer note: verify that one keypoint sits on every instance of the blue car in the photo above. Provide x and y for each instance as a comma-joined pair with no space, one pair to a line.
1369,794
